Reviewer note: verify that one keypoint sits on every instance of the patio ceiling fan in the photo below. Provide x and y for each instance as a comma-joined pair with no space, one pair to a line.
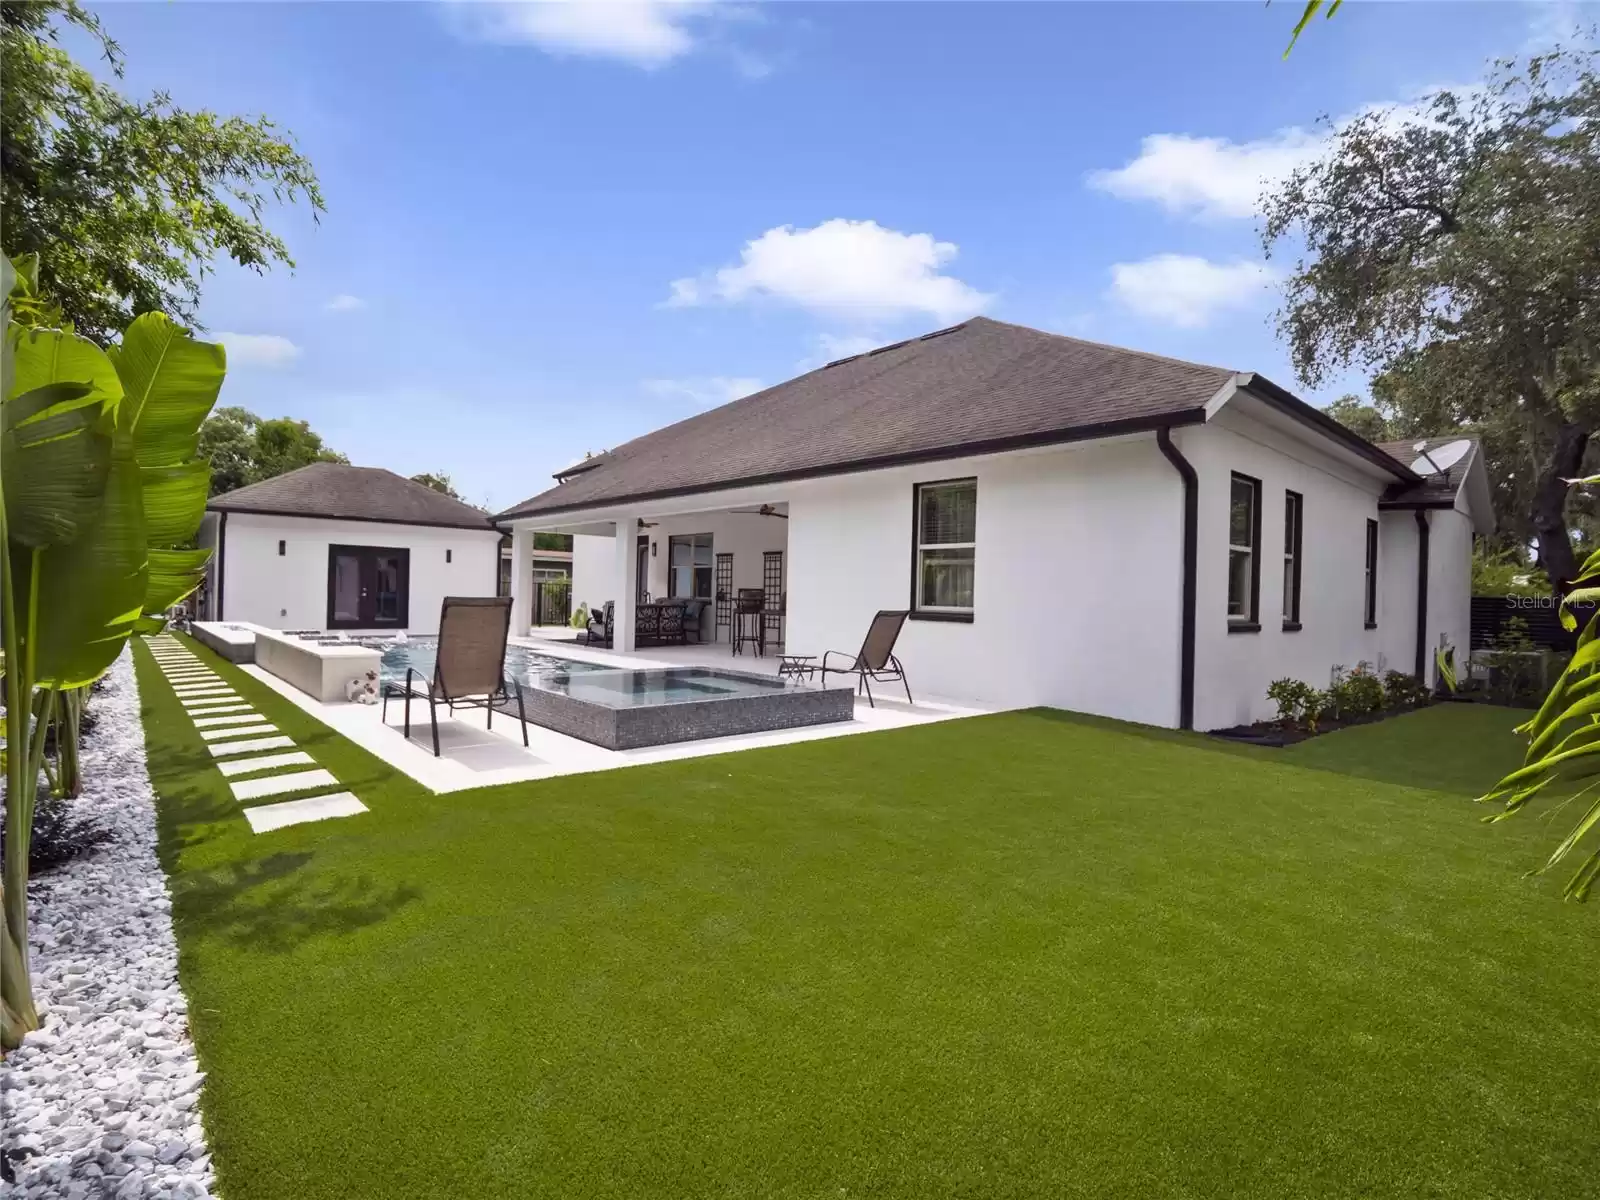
766,510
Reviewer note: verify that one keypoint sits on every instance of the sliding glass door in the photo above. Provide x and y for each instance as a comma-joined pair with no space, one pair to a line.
369,587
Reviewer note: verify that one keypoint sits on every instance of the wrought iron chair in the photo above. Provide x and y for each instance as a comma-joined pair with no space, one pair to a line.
875,661
469,668
600,628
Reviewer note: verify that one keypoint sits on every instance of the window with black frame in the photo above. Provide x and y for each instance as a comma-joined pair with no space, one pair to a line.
690,563
1244,557
1371,605
1293,504
943,579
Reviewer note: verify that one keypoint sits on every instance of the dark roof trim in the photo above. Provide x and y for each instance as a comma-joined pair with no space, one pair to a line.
1297,408
1402,505
1061,437
486,527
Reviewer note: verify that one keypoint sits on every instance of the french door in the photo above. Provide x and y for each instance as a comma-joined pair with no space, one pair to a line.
369,587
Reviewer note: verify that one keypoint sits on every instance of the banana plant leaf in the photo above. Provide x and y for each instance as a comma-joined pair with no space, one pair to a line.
92,590
174,502
171,381
173,575
54,454
55,437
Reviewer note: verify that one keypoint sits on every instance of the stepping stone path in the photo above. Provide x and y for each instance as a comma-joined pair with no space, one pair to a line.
230,728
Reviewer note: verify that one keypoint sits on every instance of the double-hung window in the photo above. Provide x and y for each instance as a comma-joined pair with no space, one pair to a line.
1370,608
690,560
943,549
1244,553
1293,508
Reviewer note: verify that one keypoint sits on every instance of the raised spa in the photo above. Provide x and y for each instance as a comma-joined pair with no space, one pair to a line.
630,709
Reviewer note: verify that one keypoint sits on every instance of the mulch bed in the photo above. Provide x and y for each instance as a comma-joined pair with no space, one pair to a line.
1272,733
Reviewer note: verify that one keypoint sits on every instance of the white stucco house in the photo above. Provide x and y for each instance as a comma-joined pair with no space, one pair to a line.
1069,524
332,546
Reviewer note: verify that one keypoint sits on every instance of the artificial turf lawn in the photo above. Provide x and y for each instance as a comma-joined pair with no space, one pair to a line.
1026,955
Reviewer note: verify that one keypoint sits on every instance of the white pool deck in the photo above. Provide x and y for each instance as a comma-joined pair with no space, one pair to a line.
473,755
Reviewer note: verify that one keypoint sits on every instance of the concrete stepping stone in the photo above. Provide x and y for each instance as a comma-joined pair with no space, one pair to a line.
266,817
194,689
237,731
192,677
224,697
238,719
250,745
266,762
277,785
207,710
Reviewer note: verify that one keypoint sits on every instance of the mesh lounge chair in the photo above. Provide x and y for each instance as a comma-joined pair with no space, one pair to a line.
876,661
469,668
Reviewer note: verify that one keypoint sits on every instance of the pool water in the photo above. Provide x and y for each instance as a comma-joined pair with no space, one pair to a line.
614,688
522,664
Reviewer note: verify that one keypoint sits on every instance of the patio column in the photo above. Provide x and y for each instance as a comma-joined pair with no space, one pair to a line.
521,581
627,583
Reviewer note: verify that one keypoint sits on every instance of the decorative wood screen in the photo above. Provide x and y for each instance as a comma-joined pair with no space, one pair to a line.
724,590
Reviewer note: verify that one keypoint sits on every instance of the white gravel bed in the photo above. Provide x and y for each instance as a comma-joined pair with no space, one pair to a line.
103,1100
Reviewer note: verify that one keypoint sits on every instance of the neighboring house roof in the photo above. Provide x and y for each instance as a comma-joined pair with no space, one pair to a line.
1435,490
338,491
979,387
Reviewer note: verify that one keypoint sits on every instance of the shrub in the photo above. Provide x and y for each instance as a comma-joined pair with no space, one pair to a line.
1514,663
1292,698
1402,691
1362,692
580,617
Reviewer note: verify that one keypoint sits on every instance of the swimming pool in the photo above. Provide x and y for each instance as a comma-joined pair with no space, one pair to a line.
522,664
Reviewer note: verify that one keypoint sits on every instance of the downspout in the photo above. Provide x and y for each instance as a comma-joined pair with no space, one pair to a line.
1422,594
222,559
1191,558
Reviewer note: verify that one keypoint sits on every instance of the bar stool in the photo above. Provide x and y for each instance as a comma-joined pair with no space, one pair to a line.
749,622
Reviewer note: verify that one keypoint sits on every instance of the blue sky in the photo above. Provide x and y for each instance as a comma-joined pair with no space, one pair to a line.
555,227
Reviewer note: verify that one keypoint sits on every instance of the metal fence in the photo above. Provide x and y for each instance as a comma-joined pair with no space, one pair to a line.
552,602
1491,615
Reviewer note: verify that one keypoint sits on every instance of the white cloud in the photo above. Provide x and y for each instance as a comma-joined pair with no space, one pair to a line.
707,391
646,33
856,269
1209,177
344,302
258,349
1216,178
1187,291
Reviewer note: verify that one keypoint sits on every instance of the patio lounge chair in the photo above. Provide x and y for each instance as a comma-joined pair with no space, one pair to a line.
469,667
600,628
875,662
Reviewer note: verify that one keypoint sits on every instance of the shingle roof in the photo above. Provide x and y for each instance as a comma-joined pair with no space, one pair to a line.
982,385
348,493
1434,488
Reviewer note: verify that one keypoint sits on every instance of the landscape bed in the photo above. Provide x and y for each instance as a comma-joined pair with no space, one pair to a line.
1026,955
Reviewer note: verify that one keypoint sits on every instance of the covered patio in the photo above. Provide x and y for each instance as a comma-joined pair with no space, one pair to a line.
692,580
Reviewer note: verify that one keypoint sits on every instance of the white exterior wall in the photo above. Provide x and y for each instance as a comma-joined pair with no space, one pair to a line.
1449,582
1078,572
1232,670
291,591
594,570
1076,595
